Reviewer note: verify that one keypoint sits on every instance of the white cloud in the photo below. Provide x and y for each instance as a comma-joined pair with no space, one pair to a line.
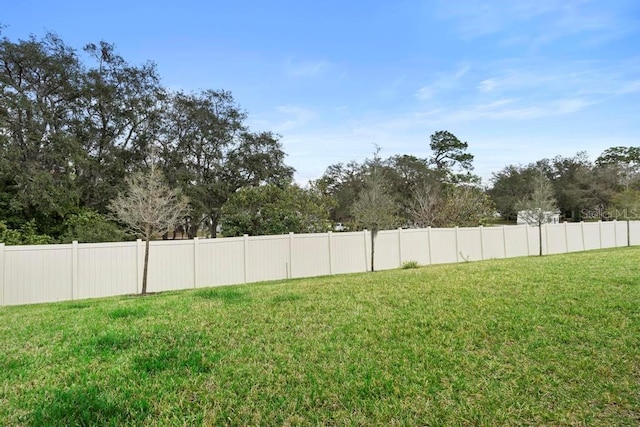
307,68
487,85
442,83
538,22
293,117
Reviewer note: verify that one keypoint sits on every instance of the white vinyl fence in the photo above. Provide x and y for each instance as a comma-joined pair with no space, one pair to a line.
45,273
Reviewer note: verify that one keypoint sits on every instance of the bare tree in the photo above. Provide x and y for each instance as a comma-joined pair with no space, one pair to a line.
149,206
466,206
426,205
375,208
461,205
540,207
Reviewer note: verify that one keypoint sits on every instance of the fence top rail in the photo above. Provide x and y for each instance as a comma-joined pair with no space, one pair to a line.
107,245
50,247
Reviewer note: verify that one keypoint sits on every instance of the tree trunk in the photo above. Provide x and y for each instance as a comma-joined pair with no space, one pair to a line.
213,228
628,232
373,247
193,230
540,237
146,264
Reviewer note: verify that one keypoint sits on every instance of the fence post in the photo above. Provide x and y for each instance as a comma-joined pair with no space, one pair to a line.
615,233
582,234
290,269
246,256
457,245
74,270
526,230
429,239
366,254
139,264
546,237
330,244
1,274
400,246
196,255
481,242
600,233
504,240
566,237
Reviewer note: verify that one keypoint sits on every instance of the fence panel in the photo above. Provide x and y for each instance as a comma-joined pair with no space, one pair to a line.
470,244
591,233
268,258
493,242
387,251
621,233
443,245
220,262
349,254
34,274
415,246
516,240
171,265
608,236
574,236
310,255
634,232
555,238
107,269
31,274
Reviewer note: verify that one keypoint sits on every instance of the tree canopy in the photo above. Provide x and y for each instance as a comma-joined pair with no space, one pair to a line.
74,125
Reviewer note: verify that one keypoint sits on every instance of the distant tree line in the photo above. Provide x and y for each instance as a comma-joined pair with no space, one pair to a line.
606,189
75,125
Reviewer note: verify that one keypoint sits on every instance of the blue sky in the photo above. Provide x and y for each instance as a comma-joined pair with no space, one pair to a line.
519,80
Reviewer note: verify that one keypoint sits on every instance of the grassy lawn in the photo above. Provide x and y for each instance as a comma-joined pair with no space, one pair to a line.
528,341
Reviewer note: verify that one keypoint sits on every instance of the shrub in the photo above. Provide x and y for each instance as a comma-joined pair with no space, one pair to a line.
410,264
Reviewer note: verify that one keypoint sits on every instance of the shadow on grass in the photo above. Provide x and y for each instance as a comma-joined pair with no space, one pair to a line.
112,342
128,312
86,406
226,294
290,297
172,359
13,367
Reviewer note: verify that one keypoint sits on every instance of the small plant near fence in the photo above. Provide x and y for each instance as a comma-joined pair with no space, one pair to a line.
410,264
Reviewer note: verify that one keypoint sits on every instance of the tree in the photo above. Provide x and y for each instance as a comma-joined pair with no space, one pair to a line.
149,206
374,207
87,226
425,208
270,209
540,207
39,101
510,185
573,183
625,161
342,183
451,158
451,206
120,116
406,176
210,153
466,206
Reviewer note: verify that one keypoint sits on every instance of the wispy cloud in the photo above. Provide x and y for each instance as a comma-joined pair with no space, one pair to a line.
292,117
307,68
517,110
534,23
441,83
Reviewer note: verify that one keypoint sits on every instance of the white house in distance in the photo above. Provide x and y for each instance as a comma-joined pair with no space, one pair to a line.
552,217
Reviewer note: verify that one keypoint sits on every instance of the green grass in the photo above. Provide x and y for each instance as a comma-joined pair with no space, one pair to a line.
529,341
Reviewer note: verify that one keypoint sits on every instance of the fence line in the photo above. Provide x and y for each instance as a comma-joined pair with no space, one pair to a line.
46,273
